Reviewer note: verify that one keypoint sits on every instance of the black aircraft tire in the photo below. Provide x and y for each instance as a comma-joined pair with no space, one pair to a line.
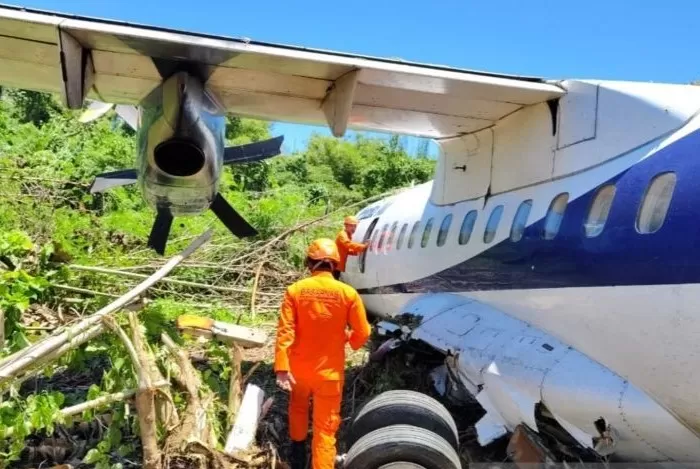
404,407
402,443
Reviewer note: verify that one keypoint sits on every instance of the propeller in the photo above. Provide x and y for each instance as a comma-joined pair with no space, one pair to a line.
253,152
160,230
97,109
223,210
106,181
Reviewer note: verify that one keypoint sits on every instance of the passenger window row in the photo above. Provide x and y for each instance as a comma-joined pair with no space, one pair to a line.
650,217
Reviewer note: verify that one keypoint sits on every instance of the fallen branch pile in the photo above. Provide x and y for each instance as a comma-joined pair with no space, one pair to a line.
234,274
169,438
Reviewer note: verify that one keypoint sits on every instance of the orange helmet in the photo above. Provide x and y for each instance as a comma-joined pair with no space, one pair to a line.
323,249
350,220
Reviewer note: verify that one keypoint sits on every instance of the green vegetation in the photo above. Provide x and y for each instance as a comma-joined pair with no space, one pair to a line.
50,226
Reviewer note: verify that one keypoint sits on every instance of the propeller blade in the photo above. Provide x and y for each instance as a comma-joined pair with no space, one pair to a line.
160,231
251,152
106,181
129,113
232,219
95,110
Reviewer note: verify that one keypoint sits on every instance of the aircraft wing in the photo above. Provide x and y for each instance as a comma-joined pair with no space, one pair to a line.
119,63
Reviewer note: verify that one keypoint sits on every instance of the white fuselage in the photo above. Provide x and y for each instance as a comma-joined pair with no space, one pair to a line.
597,239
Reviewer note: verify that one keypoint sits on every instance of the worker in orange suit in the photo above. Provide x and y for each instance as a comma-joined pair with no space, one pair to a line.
310,352
345,244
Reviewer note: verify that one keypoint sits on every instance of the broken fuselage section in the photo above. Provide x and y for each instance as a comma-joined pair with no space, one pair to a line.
523,376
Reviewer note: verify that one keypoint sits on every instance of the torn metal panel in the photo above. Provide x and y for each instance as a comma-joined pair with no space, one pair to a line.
526,448
583,438
515,369
439,378
606,442
491,426
387,328
514,396
385,348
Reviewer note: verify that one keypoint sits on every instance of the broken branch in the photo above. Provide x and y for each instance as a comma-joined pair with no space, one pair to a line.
106,400
8,370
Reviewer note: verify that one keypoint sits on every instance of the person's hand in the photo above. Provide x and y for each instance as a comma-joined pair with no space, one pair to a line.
285,380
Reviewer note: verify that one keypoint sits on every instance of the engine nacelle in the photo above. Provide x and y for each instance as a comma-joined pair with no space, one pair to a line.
181,145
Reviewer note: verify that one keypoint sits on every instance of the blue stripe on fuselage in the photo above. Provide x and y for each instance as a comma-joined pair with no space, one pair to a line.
618,256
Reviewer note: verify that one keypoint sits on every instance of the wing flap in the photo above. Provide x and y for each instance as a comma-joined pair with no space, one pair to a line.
268,81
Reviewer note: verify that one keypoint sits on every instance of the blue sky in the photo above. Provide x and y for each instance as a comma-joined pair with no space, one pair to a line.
648,40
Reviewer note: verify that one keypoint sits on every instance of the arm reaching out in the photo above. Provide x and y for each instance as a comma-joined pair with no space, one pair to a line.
349,245
359,327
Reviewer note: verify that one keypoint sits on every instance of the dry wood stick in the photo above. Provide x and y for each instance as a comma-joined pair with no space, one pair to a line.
185,283
145,399
72,341
51,343
250,372
36,366
194,422
255,289
106,400
112,324
235,388
83,290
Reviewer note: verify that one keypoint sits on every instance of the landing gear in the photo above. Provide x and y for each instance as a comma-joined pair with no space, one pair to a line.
407,408
402,446
403,429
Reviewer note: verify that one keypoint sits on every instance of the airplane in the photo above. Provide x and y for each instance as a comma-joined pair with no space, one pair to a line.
553,259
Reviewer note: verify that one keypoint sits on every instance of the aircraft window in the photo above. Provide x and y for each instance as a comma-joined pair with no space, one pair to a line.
382,237
555,215
402,235
465,232
373,243
520,220
426,233
492,224
412,237
444,229
657,199
392,235
599,211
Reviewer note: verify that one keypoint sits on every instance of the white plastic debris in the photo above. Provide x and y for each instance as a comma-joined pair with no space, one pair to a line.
247,419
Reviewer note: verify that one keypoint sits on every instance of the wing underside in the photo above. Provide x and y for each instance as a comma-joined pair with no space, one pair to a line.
81,58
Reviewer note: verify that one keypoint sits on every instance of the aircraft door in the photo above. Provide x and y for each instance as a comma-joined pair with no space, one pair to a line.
366,238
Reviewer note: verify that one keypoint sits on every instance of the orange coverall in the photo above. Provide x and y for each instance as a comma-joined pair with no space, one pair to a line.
345,247
311,337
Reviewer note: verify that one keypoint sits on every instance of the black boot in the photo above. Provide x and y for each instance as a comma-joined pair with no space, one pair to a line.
298,455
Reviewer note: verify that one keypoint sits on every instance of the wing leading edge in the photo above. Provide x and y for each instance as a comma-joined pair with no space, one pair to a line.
83,58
